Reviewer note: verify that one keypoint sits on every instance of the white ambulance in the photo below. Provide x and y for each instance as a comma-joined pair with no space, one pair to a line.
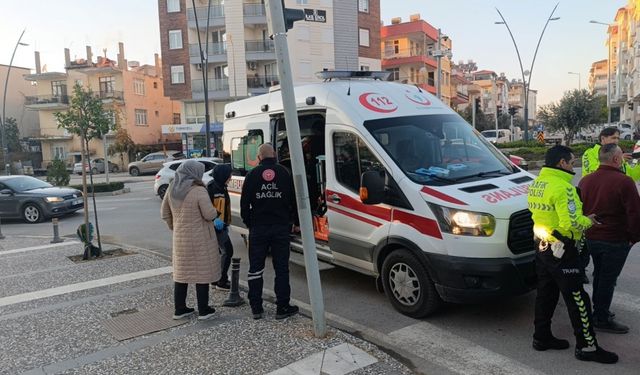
401,188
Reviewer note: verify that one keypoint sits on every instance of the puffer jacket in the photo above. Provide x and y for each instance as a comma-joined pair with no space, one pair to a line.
196,259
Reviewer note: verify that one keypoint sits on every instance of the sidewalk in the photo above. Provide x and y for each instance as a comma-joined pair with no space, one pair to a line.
113,316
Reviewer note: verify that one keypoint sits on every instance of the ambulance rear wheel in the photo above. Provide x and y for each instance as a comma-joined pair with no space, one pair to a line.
407,284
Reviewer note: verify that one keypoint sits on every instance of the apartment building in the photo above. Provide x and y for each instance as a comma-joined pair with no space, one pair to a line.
335,34
598,75
407,52
132,91
516,99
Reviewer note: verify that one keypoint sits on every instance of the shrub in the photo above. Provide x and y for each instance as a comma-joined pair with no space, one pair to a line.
519,144
57,174
102,187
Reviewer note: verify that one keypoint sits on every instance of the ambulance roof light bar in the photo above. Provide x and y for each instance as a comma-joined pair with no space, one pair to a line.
328,75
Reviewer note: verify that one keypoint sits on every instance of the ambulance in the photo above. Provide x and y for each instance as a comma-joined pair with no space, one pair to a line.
401,188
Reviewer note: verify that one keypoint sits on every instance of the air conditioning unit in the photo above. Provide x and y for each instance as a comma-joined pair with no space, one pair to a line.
252,65
199,67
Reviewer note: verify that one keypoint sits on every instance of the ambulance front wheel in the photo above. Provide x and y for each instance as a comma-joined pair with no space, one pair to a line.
408,286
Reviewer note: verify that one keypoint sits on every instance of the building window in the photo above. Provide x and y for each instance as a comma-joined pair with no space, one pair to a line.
173,6
365,68
364,38
176,118
155,85
302,2
141,117
395,74
396,47
175,39
59,88
363,6
58,152
107,84
138,86
177,74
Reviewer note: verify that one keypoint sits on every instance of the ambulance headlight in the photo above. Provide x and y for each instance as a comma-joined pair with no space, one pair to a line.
464,223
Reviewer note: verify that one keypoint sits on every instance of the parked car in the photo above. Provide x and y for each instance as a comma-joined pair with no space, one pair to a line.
168,171
504,136
97,166
34,200
153,162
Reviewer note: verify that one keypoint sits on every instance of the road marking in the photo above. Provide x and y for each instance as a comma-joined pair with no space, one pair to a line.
33,248
45,293
454,352
339,360
115,197
623,300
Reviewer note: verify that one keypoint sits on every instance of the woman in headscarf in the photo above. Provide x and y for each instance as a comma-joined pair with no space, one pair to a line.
188,212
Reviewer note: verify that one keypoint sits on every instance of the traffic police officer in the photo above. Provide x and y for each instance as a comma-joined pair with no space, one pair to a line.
591,161
558,228
267,208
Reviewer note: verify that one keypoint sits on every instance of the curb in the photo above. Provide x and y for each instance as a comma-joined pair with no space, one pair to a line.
112,193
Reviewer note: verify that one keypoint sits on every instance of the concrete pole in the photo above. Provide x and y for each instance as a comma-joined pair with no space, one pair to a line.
495,98
106,159
275,17
438,52
609,83
473,112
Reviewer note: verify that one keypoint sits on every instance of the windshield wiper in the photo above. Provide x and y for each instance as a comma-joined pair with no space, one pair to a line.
484,174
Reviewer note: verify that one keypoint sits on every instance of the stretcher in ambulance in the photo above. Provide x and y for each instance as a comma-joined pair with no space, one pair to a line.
401,188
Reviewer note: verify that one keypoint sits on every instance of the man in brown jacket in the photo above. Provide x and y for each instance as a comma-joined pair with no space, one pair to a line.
613,197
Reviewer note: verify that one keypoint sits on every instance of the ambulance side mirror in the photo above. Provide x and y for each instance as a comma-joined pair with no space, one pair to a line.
372,189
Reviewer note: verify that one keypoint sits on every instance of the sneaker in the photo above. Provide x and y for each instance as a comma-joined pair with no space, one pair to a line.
610,326
183,313
286,311
257,314
206,313
223,285
552,343
599,355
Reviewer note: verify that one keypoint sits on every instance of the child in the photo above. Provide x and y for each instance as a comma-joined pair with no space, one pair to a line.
219,196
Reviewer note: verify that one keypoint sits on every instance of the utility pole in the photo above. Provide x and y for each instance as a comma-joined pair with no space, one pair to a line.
438,52
473,113
276,18
204,62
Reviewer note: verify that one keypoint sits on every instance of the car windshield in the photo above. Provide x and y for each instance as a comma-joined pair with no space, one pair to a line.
25,183
438,149
489,133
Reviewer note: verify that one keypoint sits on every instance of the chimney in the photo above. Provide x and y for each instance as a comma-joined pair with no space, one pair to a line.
38,67
67,58
122,62
89,55
158,65
396,21
415,17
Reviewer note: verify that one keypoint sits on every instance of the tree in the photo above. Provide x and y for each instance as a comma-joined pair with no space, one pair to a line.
57,174
483,122
575,111
123,144
87,119
12,137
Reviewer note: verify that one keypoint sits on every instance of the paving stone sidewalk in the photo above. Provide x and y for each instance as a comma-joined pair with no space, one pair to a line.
61,317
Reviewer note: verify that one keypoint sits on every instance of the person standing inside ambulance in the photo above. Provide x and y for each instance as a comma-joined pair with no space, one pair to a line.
268,209
558,228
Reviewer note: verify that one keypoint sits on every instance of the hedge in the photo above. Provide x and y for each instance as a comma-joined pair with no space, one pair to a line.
102,187
535,151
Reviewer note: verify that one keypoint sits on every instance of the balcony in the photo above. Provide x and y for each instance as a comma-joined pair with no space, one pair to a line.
254,14
392,57
217,53
216,16
460,98
260,50
47,102
260,84
218,88
109,95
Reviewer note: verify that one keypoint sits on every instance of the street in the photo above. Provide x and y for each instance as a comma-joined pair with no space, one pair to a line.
494,337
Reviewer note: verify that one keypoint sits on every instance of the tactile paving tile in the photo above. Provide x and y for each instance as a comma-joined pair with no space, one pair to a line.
127,326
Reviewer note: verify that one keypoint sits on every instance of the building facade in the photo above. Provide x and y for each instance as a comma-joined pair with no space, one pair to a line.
17,90
407,52
598,75
335,34
132,91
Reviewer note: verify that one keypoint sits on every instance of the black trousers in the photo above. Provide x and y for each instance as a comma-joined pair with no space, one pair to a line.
226,252
180,295
265,239
556,276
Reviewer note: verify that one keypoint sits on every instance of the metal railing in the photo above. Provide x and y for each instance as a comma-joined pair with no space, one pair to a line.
46,99
217,48
254,10
217,11
216,84
119,95
262,81
391,53
259,46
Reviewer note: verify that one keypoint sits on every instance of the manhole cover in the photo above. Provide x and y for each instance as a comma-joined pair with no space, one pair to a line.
133,324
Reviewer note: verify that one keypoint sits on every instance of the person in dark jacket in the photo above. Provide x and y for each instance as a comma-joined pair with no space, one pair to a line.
219,196
613,195
267,208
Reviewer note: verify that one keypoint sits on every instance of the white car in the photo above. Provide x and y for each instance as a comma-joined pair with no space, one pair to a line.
168,171
504,135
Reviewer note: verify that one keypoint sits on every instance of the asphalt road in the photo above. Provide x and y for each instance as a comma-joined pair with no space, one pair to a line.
494,337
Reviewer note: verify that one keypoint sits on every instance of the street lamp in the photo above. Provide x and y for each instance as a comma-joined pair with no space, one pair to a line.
579,79
204,62
608,71
5,149
439,53
530,71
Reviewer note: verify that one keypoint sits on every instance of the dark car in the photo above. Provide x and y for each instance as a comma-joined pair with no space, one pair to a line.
34,200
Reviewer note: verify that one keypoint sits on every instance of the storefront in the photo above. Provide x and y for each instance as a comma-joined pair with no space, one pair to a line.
194,137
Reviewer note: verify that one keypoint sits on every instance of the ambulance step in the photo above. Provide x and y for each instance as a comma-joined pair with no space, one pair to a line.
297,257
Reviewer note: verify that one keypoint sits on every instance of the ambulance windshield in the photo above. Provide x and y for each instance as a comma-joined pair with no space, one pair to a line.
439,149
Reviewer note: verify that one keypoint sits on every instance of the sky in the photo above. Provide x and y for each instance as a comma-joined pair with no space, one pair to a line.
569,44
